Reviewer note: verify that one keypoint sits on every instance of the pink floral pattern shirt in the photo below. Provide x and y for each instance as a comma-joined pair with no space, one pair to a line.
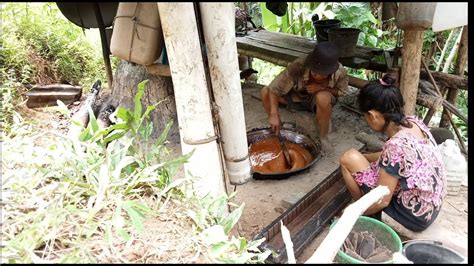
418,165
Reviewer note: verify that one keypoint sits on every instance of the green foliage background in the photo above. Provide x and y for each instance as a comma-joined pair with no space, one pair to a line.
38,32
40,46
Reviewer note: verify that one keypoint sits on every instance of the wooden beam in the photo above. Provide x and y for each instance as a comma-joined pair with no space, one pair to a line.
446,80
159,70
410,69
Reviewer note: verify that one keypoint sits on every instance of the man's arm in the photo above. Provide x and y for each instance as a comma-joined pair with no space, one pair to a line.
274,116
341,85
280,86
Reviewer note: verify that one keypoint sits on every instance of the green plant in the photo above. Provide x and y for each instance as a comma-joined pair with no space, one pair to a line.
62,195
359,15
9,89
267,71
297,21
214,222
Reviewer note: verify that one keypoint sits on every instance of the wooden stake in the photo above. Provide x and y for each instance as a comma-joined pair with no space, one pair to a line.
327,250
410,69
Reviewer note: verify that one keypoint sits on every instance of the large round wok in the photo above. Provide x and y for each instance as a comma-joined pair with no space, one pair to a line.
259,134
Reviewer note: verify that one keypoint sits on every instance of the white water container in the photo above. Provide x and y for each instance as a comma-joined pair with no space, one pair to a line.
455,164
137,35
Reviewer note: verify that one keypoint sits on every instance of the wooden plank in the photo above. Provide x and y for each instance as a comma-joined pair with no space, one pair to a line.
300,49
48,95
307,43
281,49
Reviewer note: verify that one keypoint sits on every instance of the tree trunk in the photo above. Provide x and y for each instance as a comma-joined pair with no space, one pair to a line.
158,88
461,63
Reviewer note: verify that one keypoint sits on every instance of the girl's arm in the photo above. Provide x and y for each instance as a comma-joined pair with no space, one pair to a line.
391,182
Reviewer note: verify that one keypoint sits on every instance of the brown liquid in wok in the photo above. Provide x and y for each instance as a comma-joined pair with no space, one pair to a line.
267,157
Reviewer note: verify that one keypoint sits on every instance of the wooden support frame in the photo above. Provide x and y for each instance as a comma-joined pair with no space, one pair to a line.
463,146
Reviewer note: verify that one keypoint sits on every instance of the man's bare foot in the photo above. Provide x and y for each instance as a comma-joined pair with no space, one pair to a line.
326,146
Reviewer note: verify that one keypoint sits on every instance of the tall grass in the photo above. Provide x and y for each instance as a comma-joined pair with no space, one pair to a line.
41,45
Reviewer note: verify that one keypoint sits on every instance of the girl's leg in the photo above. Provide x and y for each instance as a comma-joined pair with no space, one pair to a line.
353,161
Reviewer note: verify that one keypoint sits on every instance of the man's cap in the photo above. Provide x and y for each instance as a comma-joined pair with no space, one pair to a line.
324,58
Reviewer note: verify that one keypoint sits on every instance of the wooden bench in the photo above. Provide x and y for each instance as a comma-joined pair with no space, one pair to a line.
281,49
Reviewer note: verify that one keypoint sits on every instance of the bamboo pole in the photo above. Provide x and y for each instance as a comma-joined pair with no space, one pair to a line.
193,105
438,65
327,250
461,142
461,63
219,35
450,58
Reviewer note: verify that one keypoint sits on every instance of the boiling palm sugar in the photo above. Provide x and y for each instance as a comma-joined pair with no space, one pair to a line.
267,157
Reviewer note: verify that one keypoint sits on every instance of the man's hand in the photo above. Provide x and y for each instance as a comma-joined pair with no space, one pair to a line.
314,88
274,120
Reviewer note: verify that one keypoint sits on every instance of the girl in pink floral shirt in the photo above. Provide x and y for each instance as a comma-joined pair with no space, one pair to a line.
409,164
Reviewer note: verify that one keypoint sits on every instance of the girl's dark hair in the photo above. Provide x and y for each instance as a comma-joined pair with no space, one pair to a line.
382,95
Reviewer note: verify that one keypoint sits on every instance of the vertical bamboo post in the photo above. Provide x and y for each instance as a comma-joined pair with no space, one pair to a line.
180,31
461,63
219,35
410,69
